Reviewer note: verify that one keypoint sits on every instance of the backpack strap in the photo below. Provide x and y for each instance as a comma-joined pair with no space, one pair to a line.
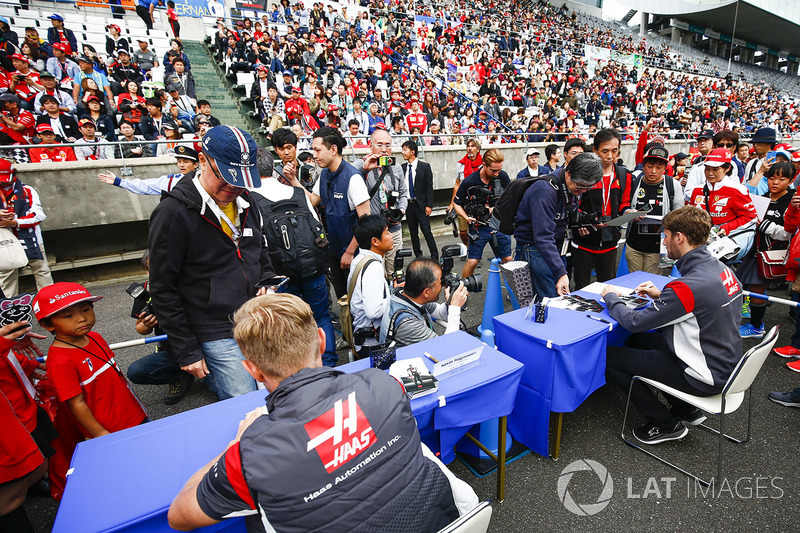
393,323
361,266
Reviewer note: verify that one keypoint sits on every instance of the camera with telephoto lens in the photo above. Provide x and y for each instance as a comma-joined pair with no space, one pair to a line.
140,293
393,214
472,283
478,198
398,276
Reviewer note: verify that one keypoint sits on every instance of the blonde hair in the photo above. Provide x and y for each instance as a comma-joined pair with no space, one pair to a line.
277,333
493,155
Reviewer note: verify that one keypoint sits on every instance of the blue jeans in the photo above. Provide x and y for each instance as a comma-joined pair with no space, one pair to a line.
501,249
155,369
544,283
314,291
227,377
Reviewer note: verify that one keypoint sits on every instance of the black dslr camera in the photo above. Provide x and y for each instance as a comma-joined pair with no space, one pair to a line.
472,283
308,171
476,205
579,219
398,276
140,293
451,218
392,214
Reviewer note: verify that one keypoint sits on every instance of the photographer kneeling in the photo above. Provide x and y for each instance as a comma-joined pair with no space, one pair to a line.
412,310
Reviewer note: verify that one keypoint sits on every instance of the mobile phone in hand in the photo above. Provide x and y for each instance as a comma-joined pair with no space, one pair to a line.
273,283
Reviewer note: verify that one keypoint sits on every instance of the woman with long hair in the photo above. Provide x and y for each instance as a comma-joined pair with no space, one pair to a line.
90,88
132,104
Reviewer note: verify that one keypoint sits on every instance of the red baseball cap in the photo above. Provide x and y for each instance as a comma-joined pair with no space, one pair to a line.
113,26
718,157
86,121
59,46
20,57
333,107
58,296
44,127
6,171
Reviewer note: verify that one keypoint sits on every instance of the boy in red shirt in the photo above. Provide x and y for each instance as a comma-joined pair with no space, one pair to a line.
50,155
80,364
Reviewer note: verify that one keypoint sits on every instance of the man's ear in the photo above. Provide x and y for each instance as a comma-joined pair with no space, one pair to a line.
322,339
254,371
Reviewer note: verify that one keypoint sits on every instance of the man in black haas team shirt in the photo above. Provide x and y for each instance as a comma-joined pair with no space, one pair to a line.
331,451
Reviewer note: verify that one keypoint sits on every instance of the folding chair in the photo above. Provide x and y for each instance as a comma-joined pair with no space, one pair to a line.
722,404
475,521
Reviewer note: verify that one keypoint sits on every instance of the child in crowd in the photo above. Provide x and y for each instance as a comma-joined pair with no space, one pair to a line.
80,364
204,110
172,16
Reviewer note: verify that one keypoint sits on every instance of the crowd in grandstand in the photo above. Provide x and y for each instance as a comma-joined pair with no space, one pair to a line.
467,66
471,72
58,90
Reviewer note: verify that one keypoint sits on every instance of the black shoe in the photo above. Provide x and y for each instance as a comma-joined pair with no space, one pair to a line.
690,416
178,389
654,433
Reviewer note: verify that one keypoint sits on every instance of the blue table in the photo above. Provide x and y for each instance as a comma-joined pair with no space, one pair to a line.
565,362
126,481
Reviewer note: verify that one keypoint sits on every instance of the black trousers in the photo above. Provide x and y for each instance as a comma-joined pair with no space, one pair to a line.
417,219
144,13
605,266
338,277
646,355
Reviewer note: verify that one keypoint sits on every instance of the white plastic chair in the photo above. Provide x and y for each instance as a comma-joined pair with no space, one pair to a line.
722,404
475,521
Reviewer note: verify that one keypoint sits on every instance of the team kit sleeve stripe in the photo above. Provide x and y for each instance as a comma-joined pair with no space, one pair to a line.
684,294
233,469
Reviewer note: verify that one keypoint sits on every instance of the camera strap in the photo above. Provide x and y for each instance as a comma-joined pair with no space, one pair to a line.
379,182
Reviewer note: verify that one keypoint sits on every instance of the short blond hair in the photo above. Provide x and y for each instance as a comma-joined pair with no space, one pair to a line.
493,155
277,333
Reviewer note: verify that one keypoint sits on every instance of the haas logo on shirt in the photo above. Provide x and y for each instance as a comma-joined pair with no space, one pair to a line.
340,434
730,281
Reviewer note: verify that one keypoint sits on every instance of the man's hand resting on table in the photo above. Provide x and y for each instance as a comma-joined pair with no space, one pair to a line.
562,285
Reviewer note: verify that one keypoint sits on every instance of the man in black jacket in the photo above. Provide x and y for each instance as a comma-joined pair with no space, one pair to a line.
122,71
419,179
207,255
594,246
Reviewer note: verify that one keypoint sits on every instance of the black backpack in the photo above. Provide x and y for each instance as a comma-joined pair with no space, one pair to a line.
297,244
506,207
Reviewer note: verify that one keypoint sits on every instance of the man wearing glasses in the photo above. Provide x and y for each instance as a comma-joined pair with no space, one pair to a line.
542,219
207,256
727,139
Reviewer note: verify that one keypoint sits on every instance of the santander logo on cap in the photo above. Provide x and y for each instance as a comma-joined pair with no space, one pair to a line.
718,157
